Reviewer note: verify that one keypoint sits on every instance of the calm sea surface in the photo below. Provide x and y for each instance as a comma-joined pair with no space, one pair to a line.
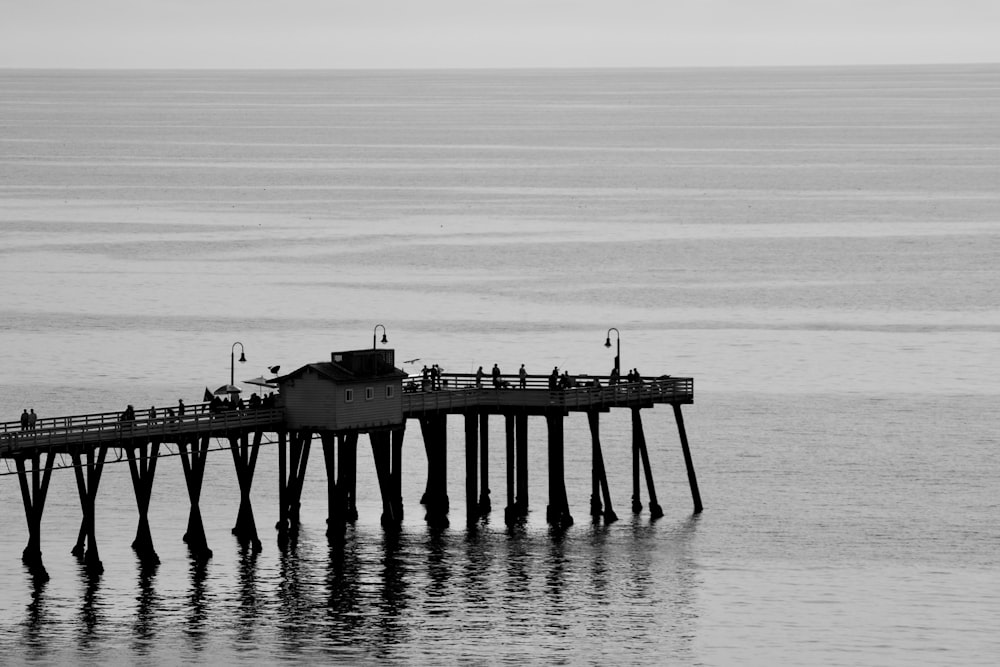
818,248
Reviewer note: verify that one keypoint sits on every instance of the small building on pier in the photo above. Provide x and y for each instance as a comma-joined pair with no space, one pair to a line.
357,390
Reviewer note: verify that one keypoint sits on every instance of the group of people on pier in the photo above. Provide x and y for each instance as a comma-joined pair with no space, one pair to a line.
215,406
431,379
237,405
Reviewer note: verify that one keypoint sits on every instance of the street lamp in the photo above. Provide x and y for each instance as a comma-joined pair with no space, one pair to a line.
618,349
232,361
375,331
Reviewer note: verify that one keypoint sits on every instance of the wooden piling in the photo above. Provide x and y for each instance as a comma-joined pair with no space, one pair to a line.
193,461
335,522
692,480
521,447
484,506
298,460
245,461
87,486
639,445
557,512
396,473
599,478
386,451
142,466
33,498
348,462
509,426
434,430
471,467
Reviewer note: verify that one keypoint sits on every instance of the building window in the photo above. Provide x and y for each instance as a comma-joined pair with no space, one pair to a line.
389,391
369,393
348,395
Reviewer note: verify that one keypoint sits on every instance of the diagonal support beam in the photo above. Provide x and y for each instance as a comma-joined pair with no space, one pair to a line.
639,447
142,465
245,460
599,478
33,492
692,479
87,487
292,472
193,455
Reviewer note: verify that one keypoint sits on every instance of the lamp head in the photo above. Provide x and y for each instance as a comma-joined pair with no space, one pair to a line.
243,357
384,339
607,341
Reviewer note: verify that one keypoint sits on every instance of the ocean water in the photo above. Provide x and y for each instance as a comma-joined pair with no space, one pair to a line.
816,247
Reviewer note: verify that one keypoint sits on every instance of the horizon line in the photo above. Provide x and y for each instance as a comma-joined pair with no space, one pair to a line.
503,68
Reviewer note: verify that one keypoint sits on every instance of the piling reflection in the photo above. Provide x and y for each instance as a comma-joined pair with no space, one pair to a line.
517,587
663,581
250,606
344,619
37,616
294,612
599,569
91,618
555,583
478,568
146,602
438,571
393,602
195,627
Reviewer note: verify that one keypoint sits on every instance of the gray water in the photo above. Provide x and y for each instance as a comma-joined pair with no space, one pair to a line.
816,247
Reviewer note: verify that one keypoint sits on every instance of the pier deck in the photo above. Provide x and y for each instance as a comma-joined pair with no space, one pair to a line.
458,393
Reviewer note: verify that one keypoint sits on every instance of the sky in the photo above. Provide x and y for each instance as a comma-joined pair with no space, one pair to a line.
337,34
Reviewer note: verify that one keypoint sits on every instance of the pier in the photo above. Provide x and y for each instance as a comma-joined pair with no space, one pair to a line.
357,393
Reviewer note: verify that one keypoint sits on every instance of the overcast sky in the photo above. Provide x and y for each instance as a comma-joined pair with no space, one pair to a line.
500,33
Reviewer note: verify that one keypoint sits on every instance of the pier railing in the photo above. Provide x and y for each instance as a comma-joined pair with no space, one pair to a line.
110,427
455,391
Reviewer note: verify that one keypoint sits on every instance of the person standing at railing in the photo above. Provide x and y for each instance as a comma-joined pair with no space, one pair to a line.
32,419
615,377
180,407
522,377
554,378
496,376
25,420
479,378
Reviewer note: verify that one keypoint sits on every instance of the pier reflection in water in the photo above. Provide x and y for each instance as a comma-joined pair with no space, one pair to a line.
391,596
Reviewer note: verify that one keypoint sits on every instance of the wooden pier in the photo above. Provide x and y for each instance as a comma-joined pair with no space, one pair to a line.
33,454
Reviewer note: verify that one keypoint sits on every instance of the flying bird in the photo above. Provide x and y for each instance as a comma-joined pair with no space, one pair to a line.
412,361
274,369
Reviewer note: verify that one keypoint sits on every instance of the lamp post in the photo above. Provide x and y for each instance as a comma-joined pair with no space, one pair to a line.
375,331
232,362
618,349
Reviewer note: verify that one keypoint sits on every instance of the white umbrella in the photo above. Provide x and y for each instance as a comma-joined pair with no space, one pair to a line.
261,381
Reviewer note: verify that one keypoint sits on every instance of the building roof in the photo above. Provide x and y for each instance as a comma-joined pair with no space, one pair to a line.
353,366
